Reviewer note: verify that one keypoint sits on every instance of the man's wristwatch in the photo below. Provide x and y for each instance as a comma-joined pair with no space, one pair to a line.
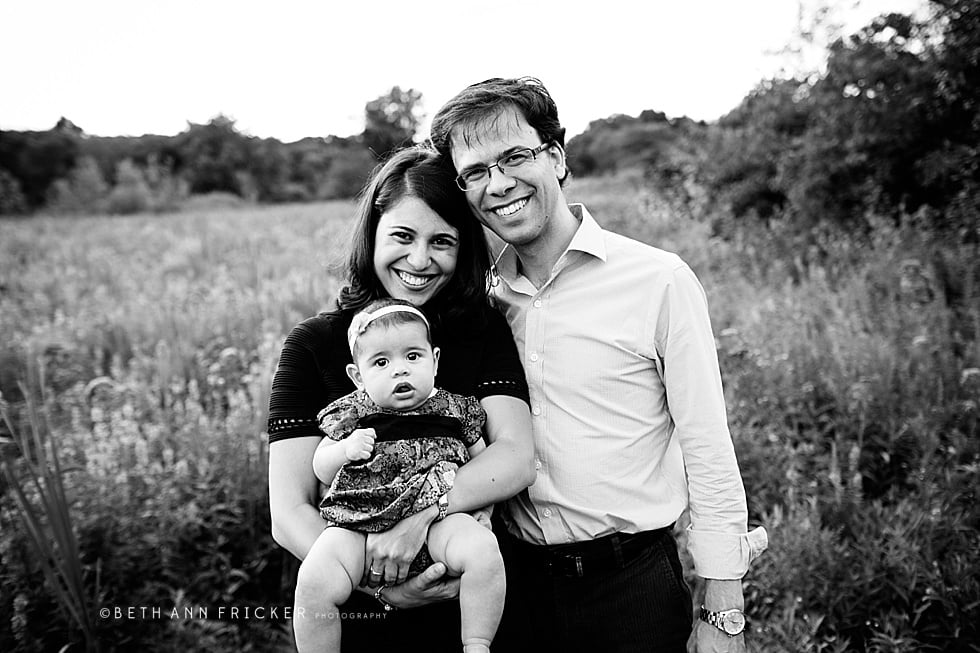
381,599
443,504
730,622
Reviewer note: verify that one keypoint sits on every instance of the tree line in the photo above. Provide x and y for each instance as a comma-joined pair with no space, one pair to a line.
65,170
890,127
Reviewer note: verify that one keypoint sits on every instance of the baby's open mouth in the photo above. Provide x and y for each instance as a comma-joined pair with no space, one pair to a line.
403,388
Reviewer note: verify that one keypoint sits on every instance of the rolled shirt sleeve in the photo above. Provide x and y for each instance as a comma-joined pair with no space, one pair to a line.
718,542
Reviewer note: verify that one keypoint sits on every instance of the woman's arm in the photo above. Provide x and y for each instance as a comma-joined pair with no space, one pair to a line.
296,522
507,465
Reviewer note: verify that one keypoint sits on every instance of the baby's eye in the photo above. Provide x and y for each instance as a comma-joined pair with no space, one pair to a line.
413,356
381,362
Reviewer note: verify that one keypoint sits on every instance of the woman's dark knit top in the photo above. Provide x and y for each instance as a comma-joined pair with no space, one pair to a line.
481,362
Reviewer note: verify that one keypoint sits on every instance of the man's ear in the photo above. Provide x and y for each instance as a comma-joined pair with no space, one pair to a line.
557,154
435,361
355,376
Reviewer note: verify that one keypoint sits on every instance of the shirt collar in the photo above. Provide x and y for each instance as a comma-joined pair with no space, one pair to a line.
588,239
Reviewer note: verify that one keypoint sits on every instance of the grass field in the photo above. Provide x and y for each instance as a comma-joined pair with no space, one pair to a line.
148,344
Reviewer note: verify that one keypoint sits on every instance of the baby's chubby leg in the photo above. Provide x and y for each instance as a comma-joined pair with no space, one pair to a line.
328,575
471,550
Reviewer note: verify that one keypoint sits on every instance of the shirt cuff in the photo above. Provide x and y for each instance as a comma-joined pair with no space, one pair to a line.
725,556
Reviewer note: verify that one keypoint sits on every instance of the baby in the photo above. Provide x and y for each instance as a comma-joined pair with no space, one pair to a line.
392,450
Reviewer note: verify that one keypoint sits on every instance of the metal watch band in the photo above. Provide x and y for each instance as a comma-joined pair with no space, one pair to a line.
719,619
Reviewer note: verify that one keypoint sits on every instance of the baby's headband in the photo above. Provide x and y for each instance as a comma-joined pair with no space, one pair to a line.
361,321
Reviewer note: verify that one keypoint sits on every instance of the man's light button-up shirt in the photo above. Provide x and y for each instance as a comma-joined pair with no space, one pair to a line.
627,334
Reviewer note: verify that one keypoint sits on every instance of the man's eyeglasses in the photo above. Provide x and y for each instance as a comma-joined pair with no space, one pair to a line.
479,176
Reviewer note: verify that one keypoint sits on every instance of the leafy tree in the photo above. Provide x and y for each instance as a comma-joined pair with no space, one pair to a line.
392,120
891,126
37,159
213,155
348,171
12,200
955,166
269,167
131,194
742,160
84,190
871,123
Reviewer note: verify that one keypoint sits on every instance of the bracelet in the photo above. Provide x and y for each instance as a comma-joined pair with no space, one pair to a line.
443,504
381,599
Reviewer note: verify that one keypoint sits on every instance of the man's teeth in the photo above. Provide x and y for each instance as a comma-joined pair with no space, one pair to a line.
412,280
510,209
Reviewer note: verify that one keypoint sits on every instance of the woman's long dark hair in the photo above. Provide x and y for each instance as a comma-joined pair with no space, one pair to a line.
421,173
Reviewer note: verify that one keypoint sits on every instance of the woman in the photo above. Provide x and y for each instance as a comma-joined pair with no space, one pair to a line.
416,240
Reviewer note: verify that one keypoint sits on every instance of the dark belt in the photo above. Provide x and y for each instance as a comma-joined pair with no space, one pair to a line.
580,559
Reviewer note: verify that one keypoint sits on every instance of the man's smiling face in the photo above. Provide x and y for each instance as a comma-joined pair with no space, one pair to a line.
516,205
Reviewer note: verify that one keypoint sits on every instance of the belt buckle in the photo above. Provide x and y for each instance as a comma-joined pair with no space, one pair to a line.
564,568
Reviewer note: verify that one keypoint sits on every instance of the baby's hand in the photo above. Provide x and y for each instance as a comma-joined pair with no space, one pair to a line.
359,444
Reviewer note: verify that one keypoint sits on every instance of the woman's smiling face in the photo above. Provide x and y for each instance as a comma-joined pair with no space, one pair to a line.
415,251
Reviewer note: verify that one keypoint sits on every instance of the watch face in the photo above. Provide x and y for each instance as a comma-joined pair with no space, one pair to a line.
733,622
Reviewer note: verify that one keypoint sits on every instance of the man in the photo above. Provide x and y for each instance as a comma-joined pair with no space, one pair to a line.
627,406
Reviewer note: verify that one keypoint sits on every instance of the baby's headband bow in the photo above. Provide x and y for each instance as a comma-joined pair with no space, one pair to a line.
361,321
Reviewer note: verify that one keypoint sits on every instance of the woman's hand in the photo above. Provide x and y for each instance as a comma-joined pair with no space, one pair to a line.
388,555
431,586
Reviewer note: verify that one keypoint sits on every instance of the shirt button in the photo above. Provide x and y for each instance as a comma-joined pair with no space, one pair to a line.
537,303
534,356
547,512
537,464
536,410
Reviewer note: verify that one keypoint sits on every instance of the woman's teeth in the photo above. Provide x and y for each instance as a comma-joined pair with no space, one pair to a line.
510,209
412,279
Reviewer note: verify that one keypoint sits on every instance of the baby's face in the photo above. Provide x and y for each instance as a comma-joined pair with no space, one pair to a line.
396,365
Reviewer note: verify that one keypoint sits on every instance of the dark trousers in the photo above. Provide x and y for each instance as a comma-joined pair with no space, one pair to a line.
619,594
367,628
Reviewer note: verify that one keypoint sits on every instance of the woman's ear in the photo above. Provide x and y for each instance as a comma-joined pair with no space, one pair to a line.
355,376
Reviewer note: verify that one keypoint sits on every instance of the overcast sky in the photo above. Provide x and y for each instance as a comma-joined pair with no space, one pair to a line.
295,68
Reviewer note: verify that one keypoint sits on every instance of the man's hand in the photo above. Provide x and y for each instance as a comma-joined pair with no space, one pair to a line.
708,639
360,444
431,586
